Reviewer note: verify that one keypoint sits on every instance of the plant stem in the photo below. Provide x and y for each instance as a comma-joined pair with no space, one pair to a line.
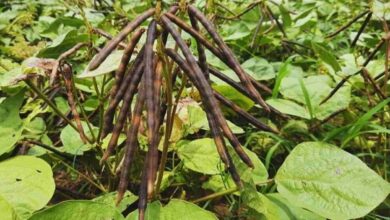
225,192
50,103
169,123
99,186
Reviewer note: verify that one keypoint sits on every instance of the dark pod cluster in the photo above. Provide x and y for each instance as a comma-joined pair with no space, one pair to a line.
144,76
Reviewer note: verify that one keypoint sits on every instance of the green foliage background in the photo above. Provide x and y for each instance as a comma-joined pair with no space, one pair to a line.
329,160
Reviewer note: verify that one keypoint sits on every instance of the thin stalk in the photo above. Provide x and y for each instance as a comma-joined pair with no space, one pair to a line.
99,186
348,24
50,103
226,192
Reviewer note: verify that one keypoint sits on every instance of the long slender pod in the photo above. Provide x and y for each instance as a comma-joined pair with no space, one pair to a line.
125,60
205,90
149,76
214,127
127,99
215,130
201,53
108,36
348,24
132,77
195,34
242,90
375,86
251,119
208,94
364,25
366,62
202,40
113,43
131,146
157,81
66,72
228,54
150,166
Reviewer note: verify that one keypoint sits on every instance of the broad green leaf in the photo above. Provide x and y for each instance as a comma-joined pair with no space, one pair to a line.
7,211
110,64
330,182
285,16
293,211
326,56
259,68
201,156
256,175
183,210
11,125
195,119
27,184
175,209
260,207
219,182
35,126
110,199
235,31
78,209
338,102
106,140
7,78
152,212
309,92
62,21
235,96
289,107
63,43
72,142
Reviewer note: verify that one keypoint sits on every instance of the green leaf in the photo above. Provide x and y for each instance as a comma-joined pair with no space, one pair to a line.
289,107
63,43
196,119
326,56
110,199
260,207
175,209
293,211
72,142
381,10
330,182
27,184
309,92
201,156
285,16
234,96
258,174
183,210
11,125
7,211
110,64
152,212
78,209
259,68
61,22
